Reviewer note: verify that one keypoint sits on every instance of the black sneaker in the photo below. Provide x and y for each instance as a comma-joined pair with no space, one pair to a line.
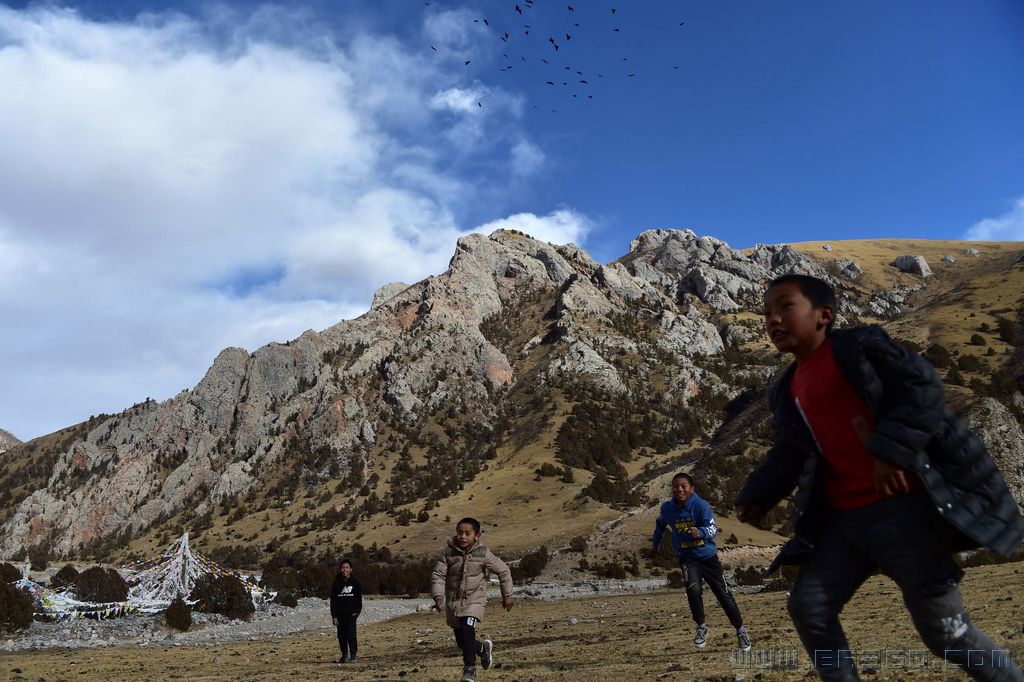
486,654
743,639
343,659
352,658
468,673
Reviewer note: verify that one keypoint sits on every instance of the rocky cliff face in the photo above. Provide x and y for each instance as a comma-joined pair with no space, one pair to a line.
511,316
7,440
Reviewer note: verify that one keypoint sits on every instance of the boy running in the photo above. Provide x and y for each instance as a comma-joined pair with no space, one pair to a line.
887,479
459,586
693,528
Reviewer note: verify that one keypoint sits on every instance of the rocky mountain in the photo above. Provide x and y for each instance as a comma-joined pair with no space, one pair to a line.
7,441
527,370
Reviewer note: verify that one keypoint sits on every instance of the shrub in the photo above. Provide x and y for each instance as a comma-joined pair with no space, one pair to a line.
955,377
179,615
8,573
287,599
225,595
15,608
1007,331
547,469
578,544
612,569
100,585
530,566
39,556
423,516
978,340
939,356
969,363
675,580
65,577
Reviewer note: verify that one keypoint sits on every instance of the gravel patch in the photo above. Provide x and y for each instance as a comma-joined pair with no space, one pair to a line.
208,630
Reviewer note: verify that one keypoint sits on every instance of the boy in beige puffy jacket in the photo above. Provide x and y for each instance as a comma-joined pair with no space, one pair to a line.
459,586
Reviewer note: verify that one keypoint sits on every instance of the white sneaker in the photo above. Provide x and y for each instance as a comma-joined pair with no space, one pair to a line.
701,638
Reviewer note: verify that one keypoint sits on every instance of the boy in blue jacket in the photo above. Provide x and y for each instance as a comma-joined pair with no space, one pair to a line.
887,479
693,528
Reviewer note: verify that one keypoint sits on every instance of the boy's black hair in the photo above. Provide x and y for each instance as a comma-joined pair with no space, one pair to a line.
818,292
344,561
683,474
471,521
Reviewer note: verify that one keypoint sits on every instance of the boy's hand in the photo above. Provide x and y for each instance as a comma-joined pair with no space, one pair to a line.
506,602
889,479
694,531
749,513
439,604
335,621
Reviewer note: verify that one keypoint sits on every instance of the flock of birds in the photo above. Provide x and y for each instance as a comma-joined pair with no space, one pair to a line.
575,82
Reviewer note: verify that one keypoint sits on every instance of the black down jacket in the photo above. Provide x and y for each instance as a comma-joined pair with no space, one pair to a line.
913,430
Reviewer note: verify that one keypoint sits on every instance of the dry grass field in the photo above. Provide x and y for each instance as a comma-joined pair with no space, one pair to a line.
637,637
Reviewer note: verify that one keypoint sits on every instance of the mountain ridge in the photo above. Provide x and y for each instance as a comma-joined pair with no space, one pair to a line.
463,379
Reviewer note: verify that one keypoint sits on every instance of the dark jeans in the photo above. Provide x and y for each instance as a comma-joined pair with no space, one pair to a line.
710,570
465,637
904,537
347,633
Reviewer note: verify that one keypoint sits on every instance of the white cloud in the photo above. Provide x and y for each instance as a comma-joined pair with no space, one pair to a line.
459,100
173,186
527,158
559,227
1007,227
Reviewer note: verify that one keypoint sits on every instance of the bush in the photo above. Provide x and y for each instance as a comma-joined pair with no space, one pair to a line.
939,356
287,599
578,544
39,556
179,615
969,363
423,516
65,577
100,585
530,566
15,608
613,570
1007,331
978,340
954,377
675,580
225,595
8,573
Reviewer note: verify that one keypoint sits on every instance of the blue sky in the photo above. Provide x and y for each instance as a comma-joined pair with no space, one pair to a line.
177,178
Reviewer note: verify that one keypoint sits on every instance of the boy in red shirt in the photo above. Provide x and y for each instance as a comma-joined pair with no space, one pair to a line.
887,479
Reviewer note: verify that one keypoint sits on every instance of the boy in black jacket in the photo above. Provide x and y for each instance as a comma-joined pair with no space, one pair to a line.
346,603
887,479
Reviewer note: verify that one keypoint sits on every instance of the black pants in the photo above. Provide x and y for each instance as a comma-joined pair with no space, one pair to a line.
465,637
710,570
902,536
347,633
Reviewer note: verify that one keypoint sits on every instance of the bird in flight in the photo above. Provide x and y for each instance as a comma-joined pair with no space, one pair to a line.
519,10
467,63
